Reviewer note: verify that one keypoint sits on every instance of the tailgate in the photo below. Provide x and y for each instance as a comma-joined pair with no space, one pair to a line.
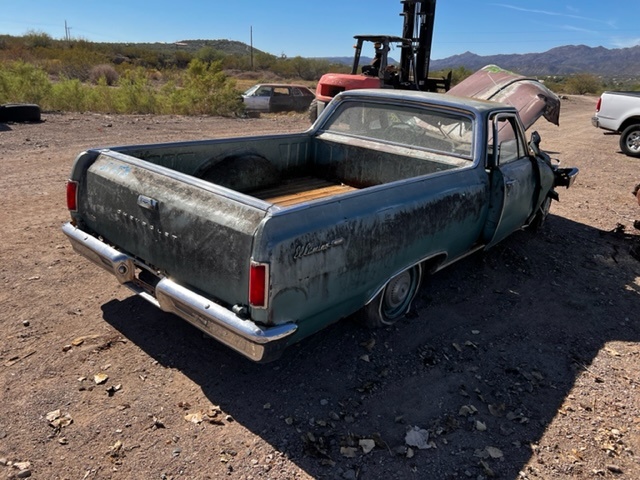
196,233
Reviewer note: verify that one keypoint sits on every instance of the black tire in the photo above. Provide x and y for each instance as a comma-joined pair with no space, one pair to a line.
541,215
630,140
15,112
313,110
394,301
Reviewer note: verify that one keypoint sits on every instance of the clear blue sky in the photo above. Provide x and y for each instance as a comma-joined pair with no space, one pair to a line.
325,28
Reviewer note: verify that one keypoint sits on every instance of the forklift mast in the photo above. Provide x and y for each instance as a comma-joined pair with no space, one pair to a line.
419,16
415,50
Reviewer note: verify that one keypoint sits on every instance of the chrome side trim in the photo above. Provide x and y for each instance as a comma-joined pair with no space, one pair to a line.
244,336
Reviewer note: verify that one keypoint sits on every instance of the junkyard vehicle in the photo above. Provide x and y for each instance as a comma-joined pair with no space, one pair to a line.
277,98
620,112
261,241
412,73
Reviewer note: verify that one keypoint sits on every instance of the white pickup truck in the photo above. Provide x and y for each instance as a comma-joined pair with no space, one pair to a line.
620,112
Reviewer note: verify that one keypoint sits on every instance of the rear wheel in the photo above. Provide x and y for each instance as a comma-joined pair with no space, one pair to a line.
394,301
630,140
313,110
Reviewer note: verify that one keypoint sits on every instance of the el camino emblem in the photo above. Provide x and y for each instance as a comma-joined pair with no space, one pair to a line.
311,249
147,202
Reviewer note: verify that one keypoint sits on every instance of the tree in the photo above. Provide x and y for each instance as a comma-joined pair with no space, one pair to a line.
583,83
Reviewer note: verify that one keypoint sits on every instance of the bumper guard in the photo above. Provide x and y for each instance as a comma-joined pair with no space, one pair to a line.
256,343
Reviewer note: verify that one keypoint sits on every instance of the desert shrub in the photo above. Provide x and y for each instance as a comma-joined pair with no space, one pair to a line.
209,54
135,94
206,91
103,71
70,95
35,39
102,98
77,62
181,59
582,83
23,83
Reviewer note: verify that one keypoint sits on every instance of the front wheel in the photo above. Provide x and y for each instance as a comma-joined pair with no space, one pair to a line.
541,215
394,301
630,141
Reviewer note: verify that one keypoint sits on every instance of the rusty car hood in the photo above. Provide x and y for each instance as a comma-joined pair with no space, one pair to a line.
529,96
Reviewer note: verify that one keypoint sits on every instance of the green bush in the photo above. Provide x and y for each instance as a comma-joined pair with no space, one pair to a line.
582,83
69,95
79,76
135,94
206,91
101,98
22,82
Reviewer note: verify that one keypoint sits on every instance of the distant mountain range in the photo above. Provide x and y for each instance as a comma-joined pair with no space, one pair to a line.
567,60
622,63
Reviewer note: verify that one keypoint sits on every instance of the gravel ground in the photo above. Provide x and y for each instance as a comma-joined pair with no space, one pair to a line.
520,362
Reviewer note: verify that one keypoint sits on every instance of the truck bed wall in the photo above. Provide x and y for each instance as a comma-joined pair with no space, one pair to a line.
250,164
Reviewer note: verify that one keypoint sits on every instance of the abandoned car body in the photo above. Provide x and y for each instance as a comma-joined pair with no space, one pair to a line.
261,241
266,97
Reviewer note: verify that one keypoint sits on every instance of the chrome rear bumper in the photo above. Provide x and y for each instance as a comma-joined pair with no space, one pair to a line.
257,343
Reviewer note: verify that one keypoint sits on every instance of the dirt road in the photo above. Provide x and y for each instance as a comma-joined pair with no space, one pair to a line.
521,362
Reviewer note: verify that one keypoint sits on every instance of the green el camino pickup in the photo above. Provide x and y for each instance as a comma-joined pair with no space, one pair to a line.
262,241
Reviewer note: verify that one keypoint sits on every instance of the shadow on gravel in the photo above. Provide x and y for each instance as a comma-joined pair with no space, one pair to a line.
498,338
4,127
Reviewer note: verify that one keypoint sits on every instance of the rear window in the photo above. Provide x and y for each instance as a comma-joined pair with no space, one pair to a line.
437,130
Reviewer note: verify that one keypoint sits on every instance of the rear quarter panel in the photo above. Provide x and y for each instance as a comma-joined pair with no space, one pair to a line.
616,108
328,259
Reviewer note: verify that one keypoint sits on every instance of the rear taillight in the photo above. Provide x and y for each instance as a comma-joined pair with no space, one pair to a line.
258,284
72,196
598,104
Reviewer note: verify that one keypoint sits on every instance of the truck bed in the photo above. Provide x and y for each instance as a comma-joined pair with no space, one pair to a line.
300,190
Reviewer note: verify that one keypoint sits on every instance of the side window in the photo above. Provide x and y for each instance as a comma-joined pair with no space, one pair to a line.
510,144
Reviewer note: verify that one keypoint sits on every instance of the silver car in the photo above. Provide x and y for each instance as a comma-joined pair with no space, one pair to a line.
275,97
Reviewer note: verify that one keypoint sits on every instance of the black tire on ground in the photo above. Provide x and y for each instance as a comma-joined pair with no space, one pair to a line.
313,110
394,301
19,112
630,140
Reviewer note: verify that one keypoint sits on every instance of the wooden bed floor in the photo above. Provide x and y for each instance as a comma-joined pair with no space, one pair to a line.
300,190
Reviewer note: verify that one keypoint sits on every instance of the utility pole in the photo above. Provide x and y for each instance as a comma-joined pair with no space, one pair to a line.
251,45
67,32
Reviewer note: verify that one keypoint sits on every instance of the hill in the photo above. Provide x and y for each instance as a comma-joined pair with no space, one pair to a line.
566,60
228,47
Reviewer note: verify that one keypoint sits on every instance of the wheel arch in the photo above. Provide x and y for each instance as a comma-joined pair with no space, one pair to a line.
427,265
628,122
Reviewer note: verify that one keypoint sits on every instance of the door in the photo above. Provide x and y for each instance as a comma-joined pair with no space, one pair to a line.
281,100
259,98
514,179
